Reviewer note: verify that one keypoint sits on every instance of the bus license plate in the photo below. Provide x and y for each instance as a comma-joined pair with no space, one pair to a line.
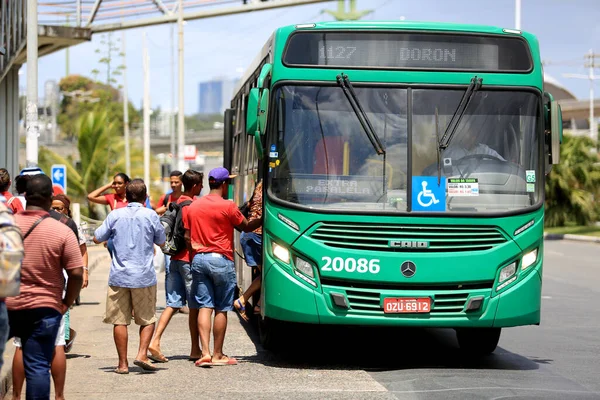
406,305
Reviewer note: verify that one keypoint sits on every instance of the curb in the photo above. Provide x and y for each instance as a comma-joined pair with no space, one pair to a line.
6,375
577,238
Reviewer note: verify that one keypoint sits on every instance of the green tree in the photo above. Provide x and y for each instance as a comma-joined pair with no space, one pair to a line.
573,185
82,95
101,151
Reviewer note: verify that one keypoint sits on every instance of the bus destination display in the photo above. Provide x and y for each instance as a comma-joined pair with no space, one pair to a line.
408,51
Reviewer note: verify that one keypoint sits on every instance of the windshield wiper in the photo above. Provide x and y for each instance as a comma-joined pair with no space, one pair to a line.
474,86
344,82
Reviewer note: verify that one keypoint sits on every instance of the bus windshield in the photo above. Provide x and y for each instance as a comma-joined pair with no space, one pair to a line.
320,157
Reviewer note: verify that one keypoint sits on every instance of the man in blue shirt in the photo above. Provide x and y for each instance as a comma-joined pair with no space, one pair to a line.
132,280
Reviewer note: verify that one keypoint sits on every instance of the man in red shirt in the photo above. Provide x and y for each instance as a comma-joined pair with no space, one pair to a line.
178,280
175,179
14,204
35,314
209,225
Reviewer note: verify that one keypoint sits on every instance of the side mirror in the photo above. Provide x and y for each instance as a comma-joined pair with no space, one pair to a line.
556,131
252,111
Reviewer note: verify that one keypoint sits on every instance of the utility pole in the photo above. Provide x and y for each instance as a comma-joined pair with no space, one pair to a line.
180,111
126,109
342,15
518,14
591,57
31,146
172,111
146,114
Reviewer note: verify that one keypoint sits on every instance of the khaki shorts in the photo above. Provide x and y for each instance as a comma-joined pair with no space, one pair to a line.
120,302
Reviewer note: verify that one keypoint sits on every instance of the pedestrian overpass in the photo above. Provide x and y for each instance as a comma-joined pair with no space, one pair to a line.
86,18
13,36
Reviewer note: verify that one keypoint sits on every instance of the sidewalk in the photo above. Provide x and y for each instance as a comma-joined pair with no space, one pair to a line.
93,358
577,238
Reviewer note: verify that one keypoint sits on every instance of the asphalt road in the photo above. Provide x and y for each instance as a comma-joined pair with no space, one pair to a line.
557,360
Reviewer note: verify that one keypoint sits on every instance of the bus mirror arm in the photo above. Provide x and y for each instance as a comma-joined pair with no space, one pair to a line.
258,144
265,72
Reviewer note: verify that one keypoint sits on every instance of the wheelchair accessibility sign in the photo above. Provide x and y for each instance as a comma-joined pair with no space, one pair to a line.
427,195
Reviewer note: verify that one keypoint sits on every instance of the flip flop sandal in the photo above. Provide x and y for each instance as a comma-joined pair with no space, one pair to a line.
241,309
222,362
69,344
204,362
145,366
159,358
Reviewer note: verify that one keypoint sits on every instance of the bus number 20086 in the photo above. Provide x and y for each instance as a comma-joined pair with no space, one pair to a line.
361,265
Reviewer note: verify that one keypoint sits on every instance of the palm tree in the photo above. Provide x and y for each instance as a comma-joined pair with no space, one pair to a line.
573,185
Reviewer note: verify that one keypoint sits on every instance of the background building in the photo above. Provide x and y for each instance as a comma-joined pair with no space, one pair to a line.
215,95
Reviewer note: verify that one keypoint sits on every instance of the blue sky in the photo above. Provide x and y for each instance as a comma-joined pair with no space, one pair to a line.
225,46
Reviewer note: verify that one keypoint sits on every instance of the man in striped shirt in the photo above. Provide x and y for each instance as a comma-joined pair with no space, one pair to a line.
35,314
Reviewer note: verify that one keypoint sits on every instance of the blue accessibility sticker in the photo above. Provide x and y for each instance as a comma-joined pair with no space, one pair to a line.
273,147
427,195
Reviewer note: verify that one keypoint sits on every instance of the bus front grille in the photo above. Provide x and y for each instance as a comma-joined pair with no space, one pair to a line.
408,238
442,304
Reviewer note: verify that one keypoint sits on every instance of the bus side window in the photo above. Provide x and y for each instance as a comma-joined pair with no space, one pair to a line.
237,137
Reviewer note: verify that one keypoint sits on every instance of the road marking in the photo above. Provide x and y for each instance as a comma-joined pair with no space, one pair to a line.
546,297
554,253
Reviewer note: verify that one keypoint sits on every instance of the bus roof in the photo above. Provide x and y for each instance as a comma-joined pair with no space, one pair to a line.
416,25
372,25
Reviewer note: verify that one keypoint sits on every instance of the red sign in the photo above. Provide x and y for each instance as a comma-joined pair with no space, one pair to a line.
189,152
406,305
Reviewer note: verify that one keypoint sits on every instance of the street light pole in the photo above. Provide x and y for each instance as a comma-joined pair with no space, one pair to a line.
517,14
180,111
146,115
126,110
172,113
31,146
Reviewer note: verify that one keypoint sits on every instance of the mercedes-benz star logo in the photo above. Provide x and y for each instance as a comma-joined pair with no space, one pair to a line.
408,269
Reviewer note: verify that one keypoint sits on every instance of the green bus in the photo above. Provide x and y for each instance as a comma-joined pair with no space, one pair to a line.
403,169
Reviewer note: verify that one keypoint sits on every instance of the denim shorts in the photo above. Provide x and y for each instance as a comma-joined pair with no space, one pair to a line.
252,246
3,330
178,283
213,282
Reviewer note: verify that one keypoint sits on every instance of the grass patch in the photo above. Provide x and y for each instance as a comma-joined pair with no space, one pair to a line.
575,230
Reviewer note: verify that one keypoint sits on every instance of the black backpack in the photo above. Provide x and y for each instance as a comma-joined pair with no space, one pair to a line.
172,221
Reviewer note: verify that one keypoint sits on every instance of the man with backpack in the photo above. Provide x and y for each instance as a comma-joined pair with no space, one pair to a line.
178,279
175,180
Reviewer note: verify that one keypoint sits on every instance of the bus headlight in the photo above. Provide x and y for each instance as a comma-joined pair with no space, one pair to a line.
529,259
304,270
281,253
305,267
507,272
507,276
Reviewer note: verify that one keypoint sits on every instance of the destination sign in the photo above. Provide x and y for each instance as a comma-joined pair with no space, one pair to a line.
341,186
406,50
